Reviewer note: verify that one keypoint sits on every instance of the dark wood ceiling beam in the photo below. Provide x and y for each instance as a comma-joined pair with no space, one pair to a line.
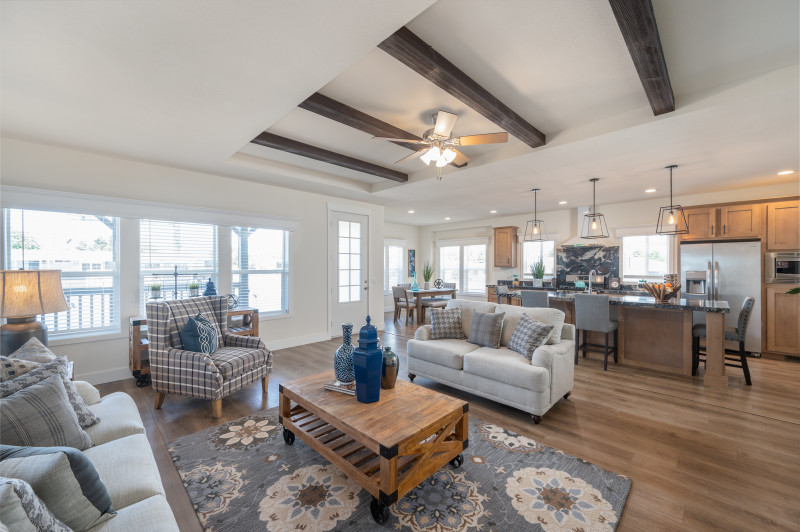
416,54
344,114
637,22
270,140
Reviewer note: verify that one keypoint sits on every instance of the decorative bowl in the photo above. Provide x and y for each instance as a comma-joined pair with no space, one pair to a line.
660,291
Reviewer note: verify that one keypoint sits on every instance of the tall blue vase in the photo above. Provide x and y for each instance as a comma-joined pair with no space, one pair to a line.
343,359
367,363
415,284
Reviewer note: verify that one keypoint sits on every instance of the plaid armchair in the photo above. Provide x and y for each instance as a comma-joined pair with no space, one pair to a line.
239,360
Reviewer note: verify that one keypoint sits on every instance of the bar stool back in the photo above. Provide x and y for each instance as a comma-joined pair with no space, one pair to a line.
592,313
502,292
535,298
737,334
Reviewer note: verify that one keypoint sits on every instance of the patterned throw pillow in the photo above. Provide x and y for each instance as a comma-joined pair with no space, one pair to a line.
21,509
528,335
57,367
199,335
35,351
446,323
486,329
40,416
11,368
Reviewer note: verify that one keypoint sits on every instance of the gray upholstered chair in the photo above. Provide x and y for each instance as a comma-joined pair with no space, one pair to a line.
501,291
237,362
592,313
732,334
401,301
535,298
451,286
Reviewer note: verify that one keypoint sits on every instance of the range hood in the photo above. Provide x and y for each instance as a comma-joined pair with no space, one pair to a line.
577,241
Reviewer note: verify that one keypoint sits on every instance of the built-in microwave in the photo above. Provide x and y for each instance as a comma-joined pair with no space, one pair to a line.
782,267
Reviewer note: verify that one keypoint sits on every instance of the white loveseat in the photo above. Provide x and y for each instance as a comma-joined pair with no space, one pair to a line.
501,374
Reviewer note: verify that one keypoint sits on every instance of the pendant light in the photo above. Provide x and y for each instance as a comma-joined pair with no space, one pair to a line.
534,229
594,223
671,219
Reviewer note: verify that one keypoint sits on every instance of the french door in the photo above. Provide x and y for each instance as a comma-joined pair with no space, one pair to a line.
348,270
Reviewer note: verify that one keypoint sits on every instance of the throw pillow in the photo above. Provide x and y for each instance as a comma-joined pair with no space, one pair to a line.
486,329
199,335
528,335
446,323
35,351
58,366
41,416
64,479
21,509
11,368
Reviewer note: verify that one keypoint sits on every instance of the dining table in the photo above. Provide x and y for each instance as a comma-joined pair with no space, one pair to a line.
430,292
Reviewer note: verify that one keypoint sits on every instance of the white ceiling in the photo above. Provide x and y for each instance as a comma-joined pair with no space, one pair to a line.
189,88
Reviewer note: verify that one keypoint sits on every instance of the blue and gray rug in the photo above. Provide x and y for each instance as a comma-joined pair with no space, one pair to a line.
242,476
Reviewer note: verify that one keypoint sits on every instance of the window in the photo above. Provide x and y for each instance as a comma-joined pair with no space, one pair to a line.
261,268
533,252
464,265
86,249
349,261
645,257
392,264
168,247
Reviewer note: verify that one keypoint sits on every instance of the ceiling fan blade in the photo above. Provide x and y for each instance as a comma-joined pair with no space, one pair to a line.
486,138
396,140
414,155
460,159
444,123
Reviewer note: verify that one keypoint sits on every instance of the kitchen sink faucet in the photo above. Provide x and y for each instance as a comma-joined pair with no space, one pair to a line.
592,278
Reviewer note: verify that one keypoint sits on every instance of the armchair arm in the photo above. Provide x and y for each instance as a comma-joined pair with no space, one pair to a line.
237,340
423,333
176,371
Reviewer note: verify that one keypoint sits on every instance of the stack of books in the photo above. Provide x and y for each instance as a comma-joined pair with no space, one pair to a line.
336,386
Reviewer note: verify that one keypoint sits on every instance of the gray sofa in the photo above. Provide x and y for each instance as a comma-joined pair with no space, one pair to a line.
501,374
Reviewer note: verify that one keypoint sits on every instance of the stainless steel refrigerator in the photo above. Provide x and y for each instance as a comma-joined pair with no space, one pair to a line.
728,271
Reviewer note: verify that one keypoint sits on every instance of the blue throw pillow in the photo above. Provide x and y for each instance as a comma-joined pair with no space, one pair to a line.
199,335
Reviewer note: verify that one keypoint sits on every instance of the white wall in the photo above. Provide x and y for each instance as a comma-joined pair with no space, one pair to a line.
409,234
39,166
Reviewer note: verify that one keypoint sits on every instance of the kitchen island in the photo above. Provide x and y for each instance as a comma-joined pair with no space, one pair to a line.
658,335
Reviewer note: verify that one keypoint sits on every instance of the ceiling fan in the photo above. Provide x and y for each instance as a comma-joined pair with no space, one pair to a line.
438,146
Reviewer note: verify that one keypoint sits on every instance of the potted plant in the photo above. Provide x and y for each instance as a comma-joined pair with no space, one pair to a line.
537,271
427,274
194,289
155,291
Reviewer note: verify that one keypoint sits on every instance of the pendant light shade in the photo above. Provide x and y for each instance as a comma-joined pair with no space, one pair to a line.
594,223
534,229
671,219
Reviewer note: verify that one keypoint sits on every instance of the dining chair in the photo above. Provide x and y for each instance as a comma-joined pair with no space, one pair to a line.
535,298
401,301
592,313
732,334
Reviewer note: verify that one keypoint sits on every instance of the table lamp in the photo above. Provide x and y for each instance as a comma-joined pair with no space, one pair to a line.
26,294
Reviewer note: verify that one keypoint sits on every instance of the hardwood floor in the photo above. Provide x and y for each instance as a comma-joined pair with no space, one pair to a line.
700,459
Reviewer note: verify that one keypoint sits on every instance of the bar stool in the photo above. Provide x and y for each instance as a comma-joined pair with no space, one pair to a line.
732,334
501,291
592,313
535,298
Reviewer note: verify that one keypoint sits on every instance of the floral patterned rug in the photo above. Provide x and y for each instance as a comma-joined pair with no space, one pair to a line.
243,476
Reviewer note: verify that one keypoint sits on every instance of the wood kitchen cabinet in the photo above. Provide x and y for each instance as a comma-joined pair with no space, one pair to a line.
783,315
783,226
702,223
505,247
739,221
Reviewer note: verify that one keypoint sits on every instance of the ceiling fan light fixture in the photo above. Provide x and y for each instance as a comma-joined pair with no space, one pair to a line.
433,154
671,219
594,223
449,155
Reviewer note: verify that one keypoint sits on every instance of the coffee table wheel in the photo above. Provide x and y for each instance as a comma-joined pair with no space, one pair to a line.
457,461
288,436
380,512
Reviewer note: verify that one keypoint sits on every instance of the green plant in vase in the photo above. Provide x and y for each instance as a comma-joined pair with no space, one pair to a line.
194,289
537,271
155,290
427,274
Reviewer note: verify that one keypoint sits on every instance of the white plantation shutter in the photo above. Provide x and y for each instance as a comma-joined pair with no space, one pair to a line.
261,268
165,245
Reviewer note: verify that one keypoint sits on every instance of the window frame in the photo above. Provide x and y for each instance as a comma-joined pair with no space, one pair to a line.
387,243
526,271
285,272
462,269
626,277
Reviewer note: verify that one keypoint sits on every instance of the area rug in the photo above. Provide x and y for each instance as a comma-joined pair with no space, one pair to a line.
242,476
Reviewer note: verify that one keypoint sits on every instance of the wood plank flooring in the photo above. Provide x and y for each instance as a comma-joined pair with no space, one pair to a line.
700,459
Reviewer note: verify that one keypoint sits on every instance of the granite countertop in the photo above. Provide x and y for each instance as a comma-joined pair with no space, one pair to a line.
648,302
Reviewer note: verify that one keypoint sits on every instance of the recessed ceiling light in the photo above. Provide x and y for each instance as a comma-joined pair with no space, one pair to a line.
650,190
447,218
562,202
785,172
492,212
410,212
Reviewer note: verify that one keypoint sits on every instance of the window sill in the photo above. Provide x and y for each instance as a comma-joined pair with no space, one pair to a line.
275,316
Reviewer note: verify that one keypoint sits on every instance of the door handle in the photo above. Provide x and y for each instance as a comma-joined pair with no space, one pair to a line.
366,285
712,229
709,280
724,227
716,280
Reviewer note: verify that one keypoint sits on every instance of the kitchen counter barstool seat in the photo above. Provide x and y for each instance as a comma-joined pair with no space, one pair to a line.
501,291
592,313
535,298
732,334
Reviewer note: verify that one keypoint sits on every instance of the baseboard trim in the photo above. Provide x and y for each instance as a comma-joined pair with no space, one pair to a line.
296,341
102,377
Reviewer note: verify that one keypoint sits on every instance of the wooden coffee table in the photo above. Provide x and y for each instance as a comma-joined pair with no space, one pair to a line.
388,447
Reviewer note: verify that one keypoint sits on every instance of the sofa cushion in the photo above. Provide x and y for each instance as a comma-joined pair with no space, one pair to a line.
35,351
119,417
467,307
152,513
233,361
128,469
446,323
528,335
64,479
11,368
22,511
40,415
549,316
447,352
486,329
507,366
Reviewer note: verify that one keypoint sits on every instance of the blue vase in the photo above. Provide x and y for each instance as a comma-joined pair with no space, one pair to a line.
343,359
414,285
367,363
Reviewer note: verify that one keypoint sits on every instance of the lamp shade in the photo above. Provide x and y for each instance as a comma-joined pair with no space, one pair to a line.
31,293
